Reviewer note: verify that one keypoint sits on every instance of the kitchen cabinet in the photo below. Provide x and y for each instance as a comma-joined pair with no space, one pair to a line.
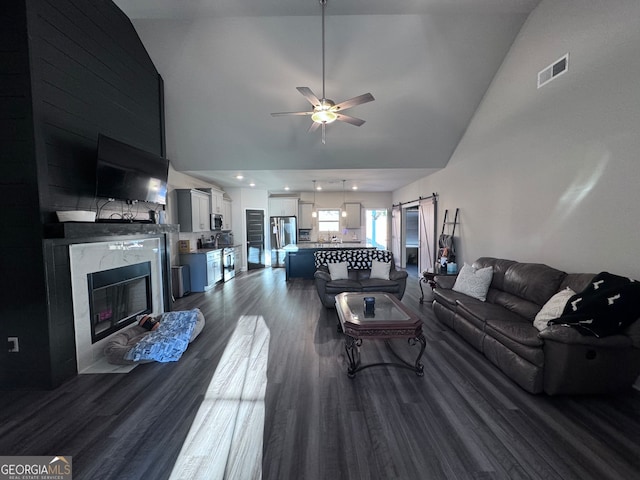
226,215
194,210
205,268
305,220
217,201
353,215
283,207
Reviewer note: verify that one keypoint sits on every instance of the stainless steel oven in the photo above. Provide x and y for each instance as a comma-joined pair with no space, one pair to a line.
228,263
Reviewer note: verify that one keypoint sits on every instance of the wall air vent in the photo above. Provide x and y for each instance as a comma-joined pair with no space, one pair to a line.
554,70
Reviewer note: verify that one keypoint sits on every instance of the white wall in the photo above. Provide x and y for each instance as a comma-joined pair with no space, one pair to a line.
367,200
551,175
335,199
242,199
247,199
179,180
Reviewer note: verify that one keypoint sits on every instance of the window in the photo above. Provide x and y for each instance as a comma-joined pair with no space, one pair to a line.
376,228
329,221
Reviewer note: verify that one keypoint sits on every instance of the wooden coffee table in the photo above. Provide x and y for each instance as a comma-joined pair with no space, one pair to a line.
391,319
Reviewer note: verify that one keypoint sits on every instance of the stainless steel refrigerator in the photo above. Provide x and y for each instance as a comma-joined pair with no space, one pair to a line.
284,231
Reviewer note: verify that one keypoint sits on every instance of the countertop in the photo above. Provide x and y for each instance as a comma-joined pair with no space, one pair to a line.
205,250
316,245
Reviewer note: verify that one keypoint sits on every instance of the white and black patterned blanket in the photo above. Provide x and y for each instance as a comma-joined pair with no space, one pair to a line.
358,259
606,307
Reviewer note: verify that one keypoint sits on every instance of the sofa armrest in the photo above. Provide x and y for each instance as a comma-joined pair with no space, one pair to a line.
445,281
322,275
569,335
398,274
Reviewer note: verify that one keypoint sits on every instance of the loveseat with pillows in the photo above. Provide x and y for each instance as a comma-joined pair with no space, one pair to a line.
356,270
549,331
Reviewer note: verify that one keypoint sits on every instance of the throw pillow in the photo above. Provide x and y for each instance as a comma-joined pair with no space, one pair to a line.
553,308
338,271
380,269
474,283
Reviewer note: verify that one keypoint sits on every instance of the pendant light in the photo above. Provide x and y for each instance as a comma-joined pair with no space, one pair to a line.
314,212
344,205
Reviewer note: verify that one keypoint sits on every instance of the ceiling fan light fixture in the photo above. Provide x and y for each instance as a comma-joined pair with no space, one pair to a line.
324,116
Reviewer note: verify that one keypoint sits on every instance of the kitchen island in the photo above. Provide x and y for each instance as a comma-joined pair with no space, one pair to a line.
299,261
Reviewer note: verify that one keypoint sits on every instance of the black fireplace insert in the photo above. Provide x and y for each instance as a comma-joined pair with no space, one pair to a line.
117,296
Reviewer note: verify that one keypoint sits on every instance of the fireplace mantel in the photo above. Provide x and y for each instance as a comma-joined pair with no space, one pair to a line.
59,238
83,230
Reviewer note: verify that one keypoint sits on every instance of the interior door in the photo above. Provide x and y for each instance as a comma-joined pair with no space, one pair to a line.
255,239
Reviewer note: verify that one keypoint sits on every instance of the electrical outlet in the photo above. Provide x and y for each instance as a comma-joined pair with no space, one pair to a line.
13,344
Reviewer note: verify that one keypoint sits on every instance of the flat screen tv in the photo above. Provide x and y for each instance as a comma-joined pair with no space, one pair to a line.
124,172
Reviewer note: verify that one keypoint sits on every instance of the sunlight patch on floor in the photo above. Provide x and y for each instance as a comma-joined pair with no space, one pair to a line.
225,440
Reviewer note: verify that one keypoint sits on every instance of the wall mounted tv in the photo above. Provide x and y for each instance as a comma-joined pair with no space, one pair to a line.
124,172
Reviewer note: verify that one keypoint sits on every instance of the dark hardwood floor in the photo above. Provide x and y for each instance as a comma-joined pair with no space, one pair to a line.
463,420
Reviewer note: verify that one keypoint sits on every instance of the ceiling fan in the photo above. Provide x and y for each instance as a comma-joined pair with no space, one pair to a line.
325,110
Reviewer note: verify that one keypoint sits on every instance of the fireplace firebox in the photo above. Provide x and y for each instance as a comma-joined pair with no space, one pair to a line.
117,296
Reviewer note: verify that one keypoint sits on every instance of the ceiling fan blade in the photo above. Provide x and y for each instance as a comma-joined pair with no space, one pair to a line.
309,95
281,114
352,120
313,127
352,102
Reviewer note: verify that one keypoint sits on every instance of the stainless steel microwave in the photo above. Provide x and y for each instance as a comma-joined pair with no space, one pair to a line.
216,221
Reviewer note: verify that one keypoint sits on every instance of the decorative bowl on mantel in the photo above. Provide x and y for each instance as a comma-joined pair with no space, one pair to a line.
76,216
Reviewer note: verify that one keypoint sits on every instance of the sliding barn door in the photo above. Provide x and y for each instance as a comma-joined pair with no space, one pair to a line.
396,240
427,234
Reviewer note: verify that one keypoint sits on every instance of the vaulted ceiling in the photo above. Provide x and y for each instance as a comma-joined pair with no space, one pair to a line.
227,64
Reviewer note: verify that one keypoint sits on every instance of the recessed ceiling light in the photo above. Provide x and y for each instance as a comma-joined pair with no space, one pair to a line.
252,184
355,187
286,188
318,188
239,177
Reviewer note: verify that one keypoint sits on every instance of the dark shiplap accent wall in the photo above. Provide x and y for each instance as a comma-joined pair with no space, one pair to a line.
70,69
91,75
22,285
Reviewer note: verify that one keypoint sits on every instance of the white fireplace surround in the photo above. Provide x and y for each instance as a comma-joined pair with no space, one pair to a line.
85,258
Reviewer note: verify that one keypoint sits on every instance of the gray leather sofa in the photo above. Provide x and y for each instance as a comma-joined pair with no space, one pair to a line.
557,360
359,271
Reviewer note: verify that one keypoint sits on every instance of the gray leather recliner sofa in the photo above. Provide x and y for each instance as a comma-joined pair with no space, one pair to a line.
556,360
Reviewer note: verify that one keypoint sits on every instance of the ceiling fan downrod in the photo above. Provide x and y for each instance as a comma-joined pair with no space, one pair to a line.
324,6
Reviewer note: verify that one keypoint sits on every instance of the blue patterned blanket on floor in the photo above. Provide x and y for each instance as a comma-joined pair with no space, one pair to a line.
169,341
